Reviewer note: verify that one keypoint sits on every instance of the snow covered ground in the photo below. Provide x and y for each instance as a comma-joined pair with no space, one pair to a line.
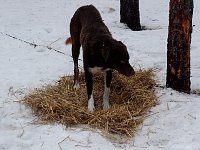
172,125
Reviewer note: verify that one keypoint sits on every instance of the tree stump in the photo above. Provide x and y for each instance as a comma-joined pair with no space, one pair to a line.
178,47
129,14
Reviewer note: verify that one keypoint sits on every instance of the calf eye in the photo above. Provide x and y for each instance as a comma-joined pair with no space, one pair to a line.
123,62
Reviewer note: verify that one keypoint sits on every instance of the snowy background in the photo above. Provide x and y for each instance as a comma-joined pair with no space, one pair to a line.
174,124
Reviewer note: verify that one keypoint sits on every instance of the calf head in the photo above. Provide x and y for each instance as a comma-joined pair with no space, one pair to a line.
116,57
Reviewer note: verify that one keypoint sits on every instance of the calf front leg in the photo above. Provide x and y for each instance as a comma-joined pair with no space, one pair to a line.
107,82
89,85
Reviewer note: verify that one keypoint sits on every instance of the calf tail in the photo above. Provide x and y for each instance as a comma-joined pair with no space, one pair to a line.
68,41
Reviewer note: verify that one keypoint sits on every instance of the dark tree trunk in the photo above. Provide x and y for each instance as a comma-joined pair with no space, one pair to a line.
129,14
178,47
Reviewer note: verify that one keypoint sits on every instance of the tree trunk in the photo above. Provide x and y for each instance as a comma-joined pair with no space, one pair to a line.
178,47
129,14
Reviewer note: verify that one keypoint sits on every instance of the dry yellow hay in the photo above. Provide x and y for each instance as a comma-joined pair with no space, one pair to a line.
196,91
130,99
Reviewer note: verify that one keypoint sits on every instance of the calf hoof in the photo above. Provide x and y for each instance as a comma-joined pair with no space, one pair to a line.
106,106
76,86
91,104
91,109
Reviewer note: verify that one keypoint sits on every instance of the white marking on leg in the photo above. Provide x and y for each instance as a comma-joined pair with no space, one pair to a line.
76,82
91,104
106,95
76,85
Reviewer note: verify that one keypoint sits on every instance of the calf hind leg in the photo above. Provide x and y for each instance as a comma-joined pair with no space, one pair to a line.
75,54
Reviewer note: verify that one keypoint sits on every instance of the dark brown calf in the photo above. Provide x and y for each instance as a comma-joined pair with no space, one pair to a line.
100,51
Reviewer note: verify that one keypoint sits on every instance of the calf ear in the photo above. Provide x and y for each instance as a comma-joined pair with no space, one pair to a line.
105,53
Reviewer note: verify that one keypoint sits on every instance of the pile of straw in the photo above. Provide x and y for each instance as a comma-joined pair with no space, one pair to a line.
130,100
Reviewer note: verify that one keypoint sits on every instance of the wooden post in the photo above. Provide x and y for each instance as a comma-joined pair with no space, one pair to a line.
129,14
178,47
